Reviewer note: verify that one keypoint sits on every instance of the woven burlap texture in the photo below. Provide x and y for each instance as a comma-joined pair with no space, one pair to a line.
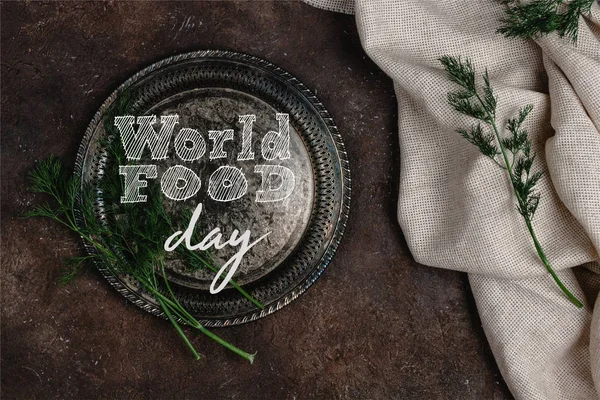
456,207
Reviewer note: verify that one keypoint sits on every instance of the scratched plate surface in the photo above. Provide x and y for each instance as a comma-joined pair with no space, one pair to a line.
209,90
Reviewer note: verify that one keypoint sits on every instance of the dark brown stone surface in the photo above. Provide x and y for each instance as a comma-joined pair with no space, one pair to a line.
377,325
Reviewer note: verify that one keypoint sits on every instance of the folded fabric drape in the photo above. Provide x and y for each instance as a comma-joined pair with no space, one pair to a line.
457,209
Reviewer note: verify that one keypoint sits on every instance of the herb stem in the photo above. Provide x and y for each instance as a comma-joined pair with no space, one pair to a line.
240,352
538,246
178,329
546,263
231,281
72,226
164,302
193,322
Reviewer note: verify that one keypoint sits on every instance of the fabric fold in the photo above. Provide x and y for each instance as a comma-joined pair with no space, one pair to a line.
456,208
540,345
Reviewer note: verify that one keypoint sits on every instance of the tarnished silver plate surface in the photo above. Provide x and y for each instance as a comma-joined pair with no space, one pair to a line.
209,90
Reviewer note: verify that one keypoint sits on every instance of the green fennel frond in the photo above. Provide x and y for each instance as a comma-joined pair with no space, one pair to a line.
129,238
513,152
73,266
485,141
134,255
541,17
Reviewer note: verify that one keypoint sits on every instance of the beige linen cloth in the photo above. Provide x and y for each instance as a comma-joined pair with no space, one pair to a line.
456,208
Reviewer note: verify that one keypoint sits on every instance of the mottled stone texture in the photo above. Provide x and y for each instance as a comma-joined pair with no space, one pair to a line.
377,325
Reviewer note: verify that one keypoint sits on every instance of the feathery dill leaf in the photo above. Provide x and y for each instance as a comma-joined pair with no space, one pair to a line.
511,153
73,266
129,239
122,251
541,17
484,141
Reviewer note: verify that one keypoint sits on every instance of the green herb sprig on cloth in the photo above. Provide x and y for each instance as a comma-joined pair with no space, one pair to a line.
129,239
531,19
142,259
512,153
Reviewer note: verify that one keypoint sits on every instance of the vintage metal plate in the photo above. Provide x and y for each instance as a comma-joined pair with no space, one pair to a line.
209,90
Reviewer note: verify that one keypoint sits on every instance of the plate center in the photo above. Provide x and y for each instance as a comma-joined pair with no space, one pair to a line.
285,221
